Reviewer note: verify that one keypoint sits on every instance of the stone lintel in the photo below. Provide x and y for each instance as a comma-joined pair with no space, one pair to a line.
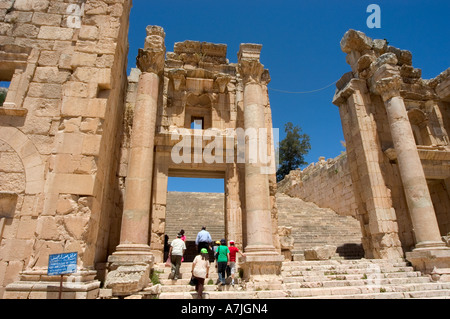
206,48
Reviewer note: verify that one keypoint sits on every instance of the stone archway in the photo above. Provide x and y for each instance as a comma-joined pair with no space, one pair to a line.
30,157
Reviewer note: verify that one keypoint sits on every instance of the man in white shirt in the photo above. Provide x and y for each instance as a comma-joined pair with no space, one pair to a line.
176,252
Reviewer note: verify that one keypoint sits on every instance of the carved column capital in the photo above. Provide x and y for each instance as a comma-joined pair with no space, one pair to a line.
388,87
250,71
249,66
151,59
386,80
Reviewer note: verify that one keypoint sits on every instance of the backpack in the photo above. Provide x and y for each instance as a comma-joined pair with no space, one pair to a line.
216,254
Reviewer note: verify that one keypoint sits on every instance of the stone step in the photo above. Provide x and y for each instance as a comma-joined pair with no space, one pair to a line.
399,292
347,272
412,289
182,285
184,280
422,294
206,287
392,279
348,267
331,262
323,278
355,282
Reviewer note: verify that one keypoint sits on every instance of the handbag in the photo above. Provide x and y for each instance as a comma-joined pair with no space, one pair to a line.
193,281
168,262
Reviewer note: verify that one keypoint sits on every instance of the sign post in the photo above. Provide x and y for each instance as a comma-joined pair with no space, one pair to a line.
62,264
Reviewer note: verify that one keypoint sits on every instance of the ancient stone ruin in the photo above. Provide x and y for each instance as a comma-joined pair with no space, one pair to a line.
395,127
86,150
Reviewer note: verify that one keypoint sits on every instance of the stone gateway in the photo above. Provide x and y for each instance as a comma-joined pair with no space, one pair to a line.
86,150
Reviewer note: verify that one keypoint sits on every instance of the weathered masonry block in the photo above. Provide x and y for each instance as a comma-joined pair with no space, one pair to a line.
59,127
84,149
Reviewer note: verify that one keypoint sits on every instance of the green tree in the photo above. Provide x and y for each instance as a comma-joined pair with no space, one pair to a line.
292,150
2,96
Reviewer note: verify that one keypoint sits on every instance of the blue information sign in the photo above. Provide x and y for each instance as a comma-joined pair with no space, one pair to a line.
61,264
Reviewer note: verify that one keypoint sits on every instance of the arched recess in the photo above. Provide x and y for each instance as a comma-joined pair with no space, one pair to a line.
30,157
419,125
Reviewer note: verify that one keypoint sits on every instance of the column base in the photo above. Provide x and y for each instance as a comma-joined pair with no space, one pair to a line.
36,284
129,269
431,261
430,245
263,269
131,254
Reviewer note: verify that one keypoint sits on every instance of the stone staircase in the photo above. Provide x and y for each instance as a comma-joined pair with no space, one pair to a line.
345,276
316,226
331,279
312,225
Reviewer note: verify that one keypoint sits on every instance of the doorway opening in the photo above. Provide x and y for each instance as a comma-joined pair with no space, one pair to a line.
440,196
4,85
192,203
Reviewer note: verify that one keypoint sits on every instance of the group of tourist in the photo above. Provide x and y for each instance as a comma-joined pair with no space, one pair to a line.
224,256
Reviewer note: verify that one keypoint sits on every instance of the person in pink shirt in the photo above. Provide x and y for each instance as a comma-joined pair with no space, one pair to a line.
183,238
233,250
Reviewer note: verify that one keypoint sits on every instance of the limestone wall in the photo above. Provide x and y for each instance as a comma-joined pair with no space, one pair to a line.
327,183
66,61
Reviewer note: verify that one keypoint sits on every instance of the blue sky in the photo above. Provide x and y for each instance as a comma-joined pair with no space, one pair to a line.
301,50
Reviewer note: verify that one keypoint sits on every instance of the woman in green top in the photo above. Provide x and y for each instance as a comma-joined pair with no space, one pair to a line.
223,259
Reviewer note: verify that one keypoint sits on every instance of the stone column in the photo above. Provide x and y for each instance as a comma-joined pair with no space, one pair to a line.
159,202
387,82
134,250
262,257
233,211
